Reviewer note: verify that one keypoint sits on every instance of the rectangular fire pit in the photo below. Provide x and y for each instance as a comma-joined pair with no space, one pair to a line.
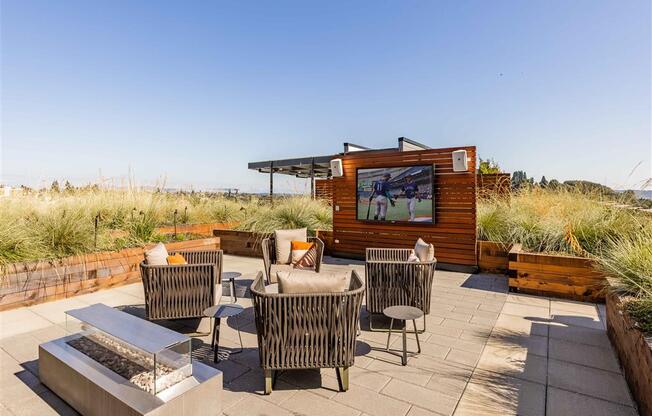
121,364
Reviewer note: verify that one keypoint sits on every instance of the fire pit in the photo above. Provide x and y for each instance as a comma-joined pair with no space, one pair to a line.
132,364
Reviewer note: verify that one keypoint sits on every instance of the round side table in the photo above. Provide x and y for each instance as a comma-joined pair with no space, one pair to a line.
404,313
218,312
230,277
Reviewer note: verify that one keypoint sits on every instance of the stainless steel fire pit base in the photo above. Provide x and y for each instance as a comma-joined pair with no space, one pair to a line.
92,389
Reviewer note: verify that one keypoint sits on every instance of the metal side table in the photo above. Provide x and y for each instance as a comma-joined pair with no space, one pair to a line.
218,312
404,313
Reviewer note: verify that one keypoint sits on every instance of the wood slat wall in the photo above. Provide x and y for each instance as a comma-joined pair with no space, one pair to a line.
454,232
324,190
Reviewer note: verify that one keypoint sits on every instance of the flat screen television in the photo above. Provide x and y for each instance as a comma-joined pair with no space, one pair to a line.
396,194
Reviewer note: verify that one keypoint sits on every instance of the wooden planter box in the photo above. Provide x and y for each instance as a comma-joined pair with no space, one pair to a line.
558,276
493,257
240,243
634,351
206,229
329,241
25,284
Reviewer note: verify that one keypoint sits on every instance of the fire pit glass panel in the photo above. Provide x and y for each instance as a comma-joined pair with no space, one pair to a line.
151,357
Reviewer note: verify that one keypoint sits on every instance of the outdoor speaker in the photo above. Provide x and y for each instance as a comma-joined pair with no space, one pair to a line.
336,168
460,162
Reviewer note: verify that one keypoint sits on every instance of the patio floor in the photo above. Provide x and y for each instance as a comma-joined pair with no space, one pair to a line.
485,352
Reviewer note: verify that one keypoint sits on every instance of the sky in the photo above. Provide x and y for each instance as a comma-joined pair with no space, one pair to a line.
185,94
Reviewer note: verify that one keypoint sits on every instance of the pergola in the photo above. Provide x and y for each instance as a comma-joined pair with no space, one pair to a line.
314,167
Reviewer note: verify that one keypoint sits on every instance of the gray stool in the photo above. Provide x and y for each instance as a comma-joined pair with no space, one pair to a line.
404,313
218,312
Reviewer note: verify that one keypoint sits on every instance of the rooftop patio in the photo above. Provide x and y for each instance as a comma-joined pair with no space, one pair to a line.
485,351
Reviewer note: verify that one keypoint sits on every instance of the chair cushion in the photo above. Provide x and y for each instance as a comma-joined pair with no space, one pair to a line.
413,258
424,251
273,288
176,259
303,281
283,240
304,255
157,255
275,268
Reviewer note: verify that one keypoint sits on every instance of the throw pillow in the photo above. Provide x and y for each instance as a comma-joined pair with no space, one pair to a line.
283,239
424,251
311,282
157,255
304,255
176,259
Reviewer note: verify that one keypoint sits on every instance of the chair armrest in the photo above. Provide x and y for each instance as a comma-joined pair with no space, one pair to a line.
269,255
320,251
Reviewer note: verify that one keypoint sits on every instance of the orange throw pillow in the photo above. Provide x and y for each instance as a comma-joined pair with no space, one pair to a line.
304,255
177,259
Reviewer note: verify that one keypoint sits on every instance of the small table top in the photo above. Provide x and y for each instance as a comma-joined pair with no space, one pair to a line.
230,275
223,311
405,313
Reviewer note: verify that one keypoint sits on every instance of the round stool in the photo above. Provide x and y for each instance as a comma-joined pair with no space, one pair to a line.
404,313
218,312
230,278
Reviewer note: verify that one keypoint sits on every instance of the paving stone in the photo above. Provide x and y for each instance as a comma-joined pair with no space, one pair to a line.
530,300
417,411
463,357
572,319
518,309
491,394
371,402
460,344
505,339
590,381
580,335
514,362
254,406
313,380
395,370
420,396
577,308
521,325
562,402
588,355
306,403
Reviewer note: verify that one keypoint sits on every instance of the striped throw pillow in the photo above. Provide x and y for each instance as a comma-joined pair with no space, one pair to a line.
304,255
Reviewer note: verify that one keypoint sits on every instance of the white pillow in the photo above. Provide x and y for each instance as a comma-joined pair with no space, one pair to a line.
284,239
413,258
157,255
424,251
302,281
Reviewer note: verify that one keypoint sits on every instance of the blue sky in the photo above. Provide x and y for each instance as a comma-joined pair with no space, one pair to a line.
192,91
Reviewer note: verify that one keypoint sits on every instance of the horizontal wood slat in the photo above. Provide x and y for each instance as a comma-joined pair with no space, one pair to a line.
454,232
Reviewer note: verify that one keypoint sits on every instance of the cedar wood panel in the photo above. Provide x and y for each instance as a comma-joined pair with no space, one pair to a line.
454,232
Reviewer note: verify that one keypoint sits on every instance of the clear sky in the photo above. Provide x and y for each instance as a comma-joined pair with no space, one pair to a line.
192,91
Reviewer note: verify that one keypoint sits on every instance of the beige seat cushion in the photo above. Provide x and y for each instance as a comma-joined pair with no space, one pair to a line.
303,281
283,239
273,288
424,251
275,268
157,255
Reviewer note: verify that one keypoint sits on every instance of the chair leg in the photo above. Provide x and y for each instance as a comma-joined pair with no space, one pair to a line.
268,381
391,325
342,377
416,335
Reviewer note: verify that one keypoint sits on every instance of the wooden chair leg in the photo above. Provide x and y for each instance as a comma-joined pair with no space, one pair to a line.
342,377
268,381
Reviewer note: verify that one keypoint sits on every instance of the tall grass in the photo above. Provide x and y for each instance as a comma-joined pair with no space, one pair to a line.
555,221
48,225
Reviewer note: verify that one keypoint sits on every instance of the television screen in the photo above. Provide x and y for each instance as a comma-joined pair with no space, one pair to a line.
398,194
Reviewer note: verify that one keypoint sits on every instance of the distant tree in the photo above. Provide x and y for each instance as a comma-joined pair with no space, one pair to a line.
488,166
55,186
67,187
543,182
554,184
519,179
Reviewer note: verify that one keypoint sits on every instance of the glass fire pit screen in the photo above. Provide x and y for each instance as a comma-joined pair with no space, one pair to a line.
151,357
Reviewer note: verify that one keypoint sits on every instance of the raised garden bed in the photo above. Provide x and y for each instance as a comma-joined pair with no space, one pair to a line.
240,243
493,257
24,284
634,351
558,276
205,229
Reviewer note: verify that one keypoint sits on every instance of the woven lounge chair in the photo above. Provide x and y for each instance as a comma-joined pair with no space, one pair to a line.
183,291
312,330
269,258
391,280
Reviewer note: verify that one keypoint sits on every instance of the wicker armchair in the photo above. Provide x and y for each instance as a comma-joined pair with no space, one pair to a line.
182,291
269,257
391,280
313,330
